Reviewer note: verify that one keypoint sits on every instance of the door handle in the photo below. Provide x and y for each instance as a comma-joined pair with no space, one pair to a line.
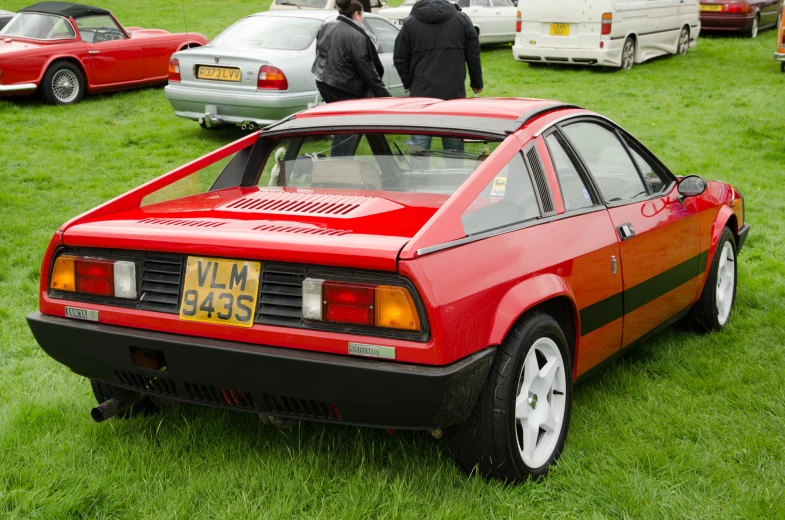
498,12
626,231
93,52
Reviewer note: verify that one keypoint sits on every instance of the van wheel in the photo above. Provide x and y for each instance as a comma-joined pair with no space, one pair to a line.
628,54
753,32
684,42
63,84
518,427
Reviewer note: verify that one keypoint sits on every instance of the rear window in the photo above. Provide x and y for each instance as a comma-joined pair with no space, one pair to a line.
428,163
270,32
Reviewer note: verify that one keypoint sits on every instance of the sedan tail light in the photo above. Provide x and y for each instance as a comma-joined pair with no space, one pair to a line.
607,23
174,69
518,22
385,306
271,78
98,276
737,8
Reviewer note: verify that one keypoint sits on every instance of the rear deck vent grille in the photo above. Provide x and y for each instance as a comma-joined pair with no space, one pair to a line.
219,396
301,230
145,383
161,276
281,300
297,203
181,222
301,407
542,183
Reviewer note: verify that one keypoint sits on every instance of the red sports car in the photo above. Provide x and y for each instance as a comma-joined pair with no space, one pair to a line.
64,50
400,263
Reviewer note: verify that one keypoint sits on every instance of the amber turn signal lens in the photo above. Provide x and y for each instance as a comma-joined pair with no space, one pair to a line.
64,274
395,309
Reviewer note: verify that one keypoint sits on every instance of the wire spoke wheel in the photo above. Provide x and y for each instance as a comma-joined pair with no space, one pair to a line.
540,403
65,86
726,282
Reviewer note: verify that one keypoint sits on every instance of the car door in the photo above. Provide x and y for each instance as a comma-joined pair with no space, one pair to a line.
504,13
658,231
481,14
385,34
114,57
587,226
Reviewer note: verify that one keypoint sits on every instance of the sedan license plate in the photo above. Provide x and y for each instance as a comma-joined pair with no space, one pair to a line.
218,73
711,7
220,291
560,29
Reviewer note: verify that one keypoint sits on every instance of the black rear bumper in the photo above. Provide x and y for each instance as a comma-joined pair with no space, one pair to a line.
275,381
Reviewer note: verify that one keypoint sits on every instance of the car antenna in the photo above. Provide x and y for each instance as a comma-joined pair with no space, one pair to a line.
185,22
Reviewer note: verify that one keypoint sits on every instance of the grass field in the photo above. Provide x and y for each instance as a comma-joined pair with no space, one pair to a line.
687,426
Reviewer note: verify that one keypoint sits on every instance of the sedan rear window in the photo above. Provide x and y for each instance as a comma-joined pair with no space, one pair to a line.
38,26
270,32
427,163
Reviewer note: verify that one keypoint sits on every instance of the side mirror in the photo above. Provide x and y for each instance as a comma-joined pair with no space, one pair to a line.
692,186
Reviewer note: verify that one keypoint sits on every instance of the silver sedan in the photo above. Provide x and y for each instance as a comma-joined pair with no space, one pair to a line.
259,70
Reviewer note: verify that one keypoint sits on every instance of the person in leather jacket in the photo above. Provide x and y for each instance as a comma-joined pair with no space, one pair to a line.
347,65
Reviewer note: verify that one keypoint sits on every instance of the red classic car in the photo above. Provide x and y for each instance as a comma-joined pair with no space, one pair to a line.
397,263
64,50
746,16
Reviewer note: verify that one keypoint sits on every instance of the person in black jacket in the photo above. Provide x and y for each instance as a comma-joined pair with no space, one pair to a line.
436,43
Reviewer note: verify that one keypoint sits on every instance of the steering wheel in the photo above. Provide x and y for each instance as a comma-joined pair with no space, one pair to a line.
106,34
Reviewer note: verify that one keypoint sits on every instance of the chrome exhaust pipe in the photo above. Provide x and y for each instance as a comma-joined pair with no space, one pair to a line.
251,127
112,407
244,127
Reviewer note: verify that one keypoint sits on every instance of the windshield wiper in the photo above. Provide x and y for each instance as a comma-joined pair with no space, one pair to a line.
298,6
453,154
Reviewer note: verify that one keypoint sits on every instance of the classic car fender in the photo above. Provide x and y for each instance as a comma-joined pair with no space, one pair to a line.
82,62
527,295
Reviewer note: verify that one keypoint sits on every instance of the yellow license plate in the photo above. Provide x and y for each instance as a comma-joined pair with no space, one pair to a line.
711,7
220,291
560,29
218,73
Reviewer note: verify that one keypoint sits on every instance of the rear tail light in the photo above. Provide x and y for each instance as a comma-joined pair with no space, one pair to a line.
384,306
174,69
518,22
271,78
736,8
97,276
607,23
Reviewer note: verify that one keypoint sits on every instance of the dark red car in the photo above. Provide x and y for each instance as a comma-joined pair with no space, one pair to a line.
745,16
63,50
396,263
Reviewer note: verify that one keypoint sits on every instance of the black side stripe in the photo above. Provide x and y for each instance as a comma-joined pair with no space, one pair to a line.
614,307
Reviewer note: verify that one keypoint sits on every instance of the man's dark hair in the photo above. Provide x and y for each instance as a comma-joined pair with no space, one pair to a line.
349,7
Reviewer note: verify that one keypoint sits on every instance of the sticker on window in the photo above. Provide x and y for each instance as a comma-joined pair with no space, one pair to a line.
586,195
499,187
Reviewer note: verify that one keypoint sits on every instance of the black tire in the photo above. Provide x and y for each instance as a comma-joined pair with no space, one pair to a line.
705,315
56,74
103,392
627,62
753,32
681,47
782,66
488,442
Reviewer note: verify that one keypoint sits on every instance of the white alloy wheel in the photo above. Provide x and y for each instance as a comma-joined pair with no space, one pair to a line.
628,54
540,403
684,41
755,25
65,86
726,282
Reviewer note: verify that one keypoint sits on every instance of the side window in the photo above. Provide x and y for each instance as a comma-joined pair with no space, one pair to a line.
573,190
385,32
652,176
481,3
607,160
464,3
96,29
508,199
501,3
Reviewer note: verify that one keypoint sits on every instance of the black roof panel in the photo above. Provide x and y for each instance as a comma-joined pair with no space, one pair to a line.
64,9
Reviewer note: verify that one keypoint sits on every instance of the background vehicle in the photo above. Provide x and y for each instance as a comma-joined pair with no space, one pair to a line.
311,284
279,5
5,17
745,16
780,54
264,62
617,33
64,50
494,20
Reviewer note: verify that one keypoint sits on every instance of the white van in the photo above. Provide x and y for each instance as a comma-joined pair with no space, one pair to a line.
613,33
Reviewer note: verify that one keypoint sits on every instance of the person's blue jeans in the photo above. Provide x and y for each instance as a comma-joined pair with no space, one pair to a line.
424,141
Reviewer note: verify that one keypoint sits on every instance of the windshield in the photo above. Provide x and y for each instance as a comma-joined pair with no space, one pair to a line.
270,32
430,163
39,27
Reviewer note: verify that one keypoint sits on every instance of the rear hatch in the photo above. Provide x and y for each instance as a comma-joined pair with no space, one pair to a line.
566,24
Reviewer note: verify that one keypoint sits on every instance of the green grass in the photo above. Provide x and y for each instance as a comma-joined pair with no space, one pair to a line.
688,426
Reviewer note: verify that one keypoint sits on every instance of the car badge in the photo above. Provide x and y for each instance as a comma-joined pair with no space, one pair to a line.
217,59
81,314
377,351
